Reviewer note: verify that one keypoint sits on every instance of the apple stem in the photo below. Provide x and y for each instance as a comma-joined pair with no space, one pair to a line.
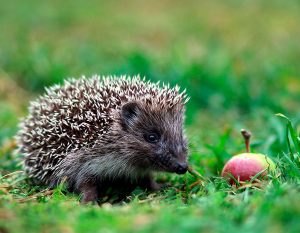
247,135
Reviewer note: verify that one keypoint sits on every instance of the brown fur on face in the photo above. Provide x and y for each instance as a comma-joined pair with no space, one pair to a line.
169,153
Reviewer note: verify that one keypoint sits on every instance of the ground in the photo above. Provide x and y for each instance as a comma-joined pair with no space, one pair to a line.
238,61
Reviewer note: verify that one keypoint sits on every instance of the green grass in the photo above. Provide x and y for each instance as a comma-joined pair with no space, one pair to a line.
238,60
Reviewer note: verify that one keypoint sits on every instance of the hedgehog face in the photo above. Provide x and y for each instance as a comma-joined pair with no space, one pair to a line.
154,137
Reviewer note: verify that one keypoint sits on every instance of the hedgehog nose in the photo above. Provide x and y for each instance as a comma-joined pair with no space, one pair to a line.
181,168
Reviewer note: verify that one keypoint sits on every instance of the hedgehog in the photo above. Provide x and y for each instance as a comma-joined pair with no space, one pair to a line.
93,133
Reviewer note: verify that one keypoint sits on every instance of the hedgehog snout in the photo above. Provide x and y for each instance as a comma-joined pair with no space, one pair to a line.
180,162
181,168
172,164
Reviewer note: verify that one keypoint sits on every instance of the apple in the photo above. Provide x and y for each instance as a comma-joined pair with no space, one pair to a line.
247,165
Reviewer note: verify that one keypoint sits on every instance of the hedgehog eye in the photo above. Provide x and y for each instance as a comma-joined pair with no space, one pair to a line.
151,137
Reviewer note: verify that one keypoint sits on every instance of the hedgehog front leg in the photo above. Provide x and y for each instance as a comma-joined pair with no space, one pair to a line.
89,192
148,183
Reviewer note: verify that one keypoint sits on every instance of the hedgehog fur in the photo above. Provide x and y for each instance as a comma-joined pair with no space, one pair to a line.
93,129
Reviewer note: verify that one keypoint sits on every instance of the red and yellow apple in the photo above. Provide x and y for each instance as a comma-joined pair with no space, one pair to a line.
245,166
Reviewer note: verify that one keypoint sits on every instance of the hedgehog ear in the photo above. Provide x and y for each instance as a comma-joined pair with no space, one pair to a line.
129,112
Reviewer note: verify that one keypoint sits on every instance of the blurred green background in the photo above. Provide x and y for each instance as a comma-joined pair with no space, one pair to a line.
238,60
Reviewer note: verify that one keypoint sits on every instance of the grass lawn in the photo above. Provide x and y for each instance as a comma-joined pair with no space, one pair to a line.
239,62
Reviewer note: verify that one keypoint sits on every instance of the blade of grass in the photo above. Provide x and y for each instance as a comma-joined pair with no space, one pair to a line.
258,175
291,134
292,164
